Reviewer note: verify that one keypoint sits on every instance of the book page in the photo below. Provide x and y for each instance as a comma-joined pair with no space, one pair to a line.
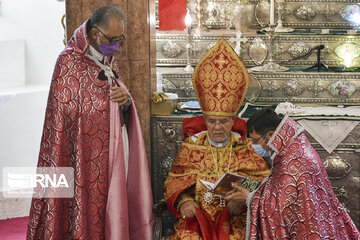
208,185
223,184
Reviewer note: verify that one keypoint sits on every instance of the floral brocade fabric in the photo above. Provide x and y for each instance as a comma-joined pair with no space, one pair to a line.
75,134
197,161
221,80
297,200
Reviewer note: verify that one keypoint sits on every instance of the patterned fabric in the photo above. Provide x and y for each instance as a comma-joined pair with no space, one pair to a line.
76,134
197,160
297,200
221,81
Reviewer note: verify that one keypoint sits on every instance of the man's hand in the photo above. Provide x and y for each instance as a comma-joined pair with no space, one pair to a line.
188,209
235,208
119,95
239,195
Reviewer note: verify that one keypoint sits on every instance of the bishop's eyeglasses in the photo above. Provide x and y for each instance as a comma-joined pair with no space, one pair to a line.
113,39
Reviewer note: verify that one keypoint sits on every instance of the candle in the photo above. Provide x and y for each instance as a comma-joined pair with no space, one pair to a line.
272,12
188,21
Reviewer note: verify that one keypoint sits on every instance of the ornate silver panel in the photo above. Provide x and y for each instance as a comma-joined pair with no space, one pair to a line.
321,14
337,167
303,87
175,80
170,48
296,87
342,194
347,187
166,133
299,49
258,51
292,88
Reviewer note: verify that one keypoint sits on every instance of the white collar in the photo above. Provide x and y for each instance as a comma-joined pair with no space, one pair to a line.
107,69
96,54
236,135
219,145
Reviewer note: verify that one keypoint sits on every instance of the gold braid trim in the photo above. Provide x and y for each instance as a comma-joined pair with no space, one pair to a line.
194,146
183,199
194,172
256,173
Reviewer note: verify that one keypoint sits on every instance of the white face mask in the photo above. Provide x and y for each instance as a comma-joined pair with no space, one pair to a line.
261,151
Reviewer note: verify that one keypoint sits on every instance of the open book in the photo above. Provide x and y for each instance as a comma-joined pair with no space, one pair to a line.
223,184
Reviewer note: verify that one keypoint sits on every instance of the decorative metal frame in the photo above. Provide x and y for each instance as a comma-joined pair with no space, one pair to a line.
181,84
164,149
318,14
296,87
286,47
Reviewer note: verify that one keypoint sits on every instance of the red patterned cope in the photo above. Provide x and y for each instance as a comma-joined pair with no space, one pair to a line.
76,134
297,200
221,81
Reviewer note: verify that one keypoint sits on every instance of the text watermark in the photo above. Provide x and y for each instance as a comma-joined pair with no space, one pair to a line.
41,182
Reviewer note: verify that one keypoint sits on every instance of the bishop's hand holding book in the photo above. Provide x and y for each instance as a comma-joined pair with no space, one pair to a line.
224,185
230,187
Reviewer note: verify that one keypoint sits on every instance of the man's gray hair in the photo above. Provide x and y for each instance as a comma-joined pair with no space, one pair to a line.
102,16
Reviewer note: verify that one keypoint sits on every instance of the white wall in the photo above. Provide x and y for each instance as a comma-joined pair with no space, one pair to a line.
12,68
22,107
31,38
22,112
39,21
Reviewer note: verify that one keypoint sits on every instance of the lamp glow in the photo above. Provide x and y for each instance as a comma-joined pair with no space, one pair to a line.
351,13
348,59
348,52
355,18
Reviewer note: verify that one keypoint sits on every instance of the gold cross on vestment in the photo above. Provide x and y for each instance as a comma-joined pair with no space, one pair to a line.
221,61
109,72
219,90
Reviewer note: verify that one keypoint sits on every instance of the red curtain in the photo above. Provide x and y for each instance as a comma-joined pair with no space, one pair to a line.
172,14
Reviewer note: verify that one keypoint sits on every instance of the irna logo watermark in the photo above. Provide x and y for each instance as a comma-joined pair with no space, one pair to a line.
43,182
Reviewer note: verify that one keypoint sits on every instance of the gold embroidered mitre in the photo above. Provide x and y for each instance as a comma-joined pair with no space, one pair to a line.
221,81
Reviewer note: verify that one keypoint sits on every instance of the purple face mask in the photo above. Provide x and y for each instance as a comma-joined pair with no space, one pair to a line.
108,49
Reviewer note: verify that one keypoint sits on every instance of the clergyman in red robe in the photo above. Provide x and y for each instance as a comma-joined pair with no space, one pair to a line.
217,144
297,200
91,125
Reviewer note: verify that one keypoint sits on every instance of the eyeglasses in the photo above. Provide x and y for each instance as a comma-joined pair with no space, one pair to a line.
113,39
